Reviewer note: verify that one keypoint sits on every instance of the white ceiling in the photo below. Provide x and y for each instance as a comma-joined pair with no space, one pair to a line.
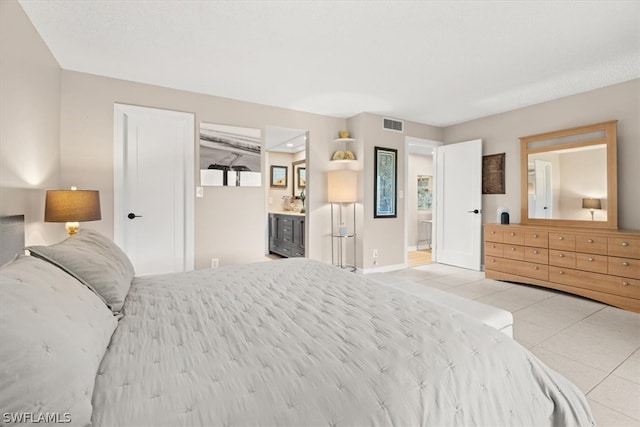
434,62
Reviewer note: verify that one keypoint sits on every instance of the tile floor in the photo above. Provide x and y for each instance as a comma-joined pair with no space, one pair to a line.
594,345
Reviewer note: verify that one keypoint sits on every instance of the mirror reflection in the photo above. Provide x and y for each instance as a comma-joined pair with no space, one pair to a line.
286,148
565,184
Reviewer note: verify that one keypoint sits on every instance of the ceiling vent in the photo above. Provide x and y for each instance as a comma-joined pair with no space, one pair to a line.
394,125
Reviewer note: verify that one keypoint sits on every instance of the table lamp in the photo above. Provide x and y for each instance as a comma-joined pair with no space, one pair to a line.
72,206
592,205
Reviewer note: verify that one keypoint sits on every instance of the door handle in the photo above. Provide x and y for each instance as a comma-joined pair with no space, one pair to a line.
132,215
475,211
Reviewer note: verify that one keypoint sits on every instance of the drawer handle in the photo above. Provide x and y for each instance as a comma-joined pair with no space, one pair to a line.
493,232
625,263
590,241
561,255
535,252
535,236
535,267
493,246
590,259
625,244
493,260
625,283
513,249
560,272
512,233
560,238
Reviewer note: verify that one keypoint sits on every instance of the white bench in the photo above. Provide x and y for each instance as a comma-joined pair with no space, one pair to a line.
497,318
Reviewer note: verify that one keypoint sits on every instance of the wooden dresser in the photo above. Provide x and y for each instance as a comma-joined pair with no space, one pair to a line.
603,265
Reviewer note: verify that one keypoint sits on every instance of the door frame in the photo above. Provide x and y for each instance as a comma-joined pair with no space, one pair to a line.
120,112
424,144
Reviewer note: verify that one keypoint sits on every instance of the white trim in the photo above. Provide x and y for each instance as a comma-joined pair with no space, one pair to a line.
384,268
120,112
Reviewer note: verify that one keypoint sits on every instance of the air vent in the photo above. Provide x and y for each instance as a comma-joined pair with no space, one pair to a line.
391,124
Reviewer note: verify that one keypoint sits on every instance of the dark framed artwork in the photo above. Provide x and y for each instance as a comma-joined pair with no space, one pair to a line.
493,174
385,184
279,176
301,176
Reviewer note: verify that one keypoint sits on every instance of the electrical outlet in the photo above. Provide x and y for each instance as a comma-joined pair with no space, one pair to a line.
215,262
375,253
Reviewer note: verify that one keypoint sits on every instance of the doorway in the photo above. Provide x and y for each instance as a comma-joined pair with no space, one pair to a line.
286,181
419,201
154,186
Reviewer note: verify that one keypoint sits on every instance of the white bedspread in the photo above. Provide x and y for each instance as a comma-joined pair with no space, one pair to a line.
300,343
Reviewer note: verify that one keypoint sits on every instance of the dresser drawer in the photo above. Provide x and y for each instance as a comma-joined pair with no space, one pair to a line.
592,262
493,249
514,237
624,247
493,234
539,239
596,282
518,268
591,244
625,267
562,258
513,251
562,241
537,255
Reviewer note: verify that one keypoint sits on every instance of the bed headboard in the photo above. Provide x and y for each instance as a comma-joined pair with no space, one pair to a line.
11,237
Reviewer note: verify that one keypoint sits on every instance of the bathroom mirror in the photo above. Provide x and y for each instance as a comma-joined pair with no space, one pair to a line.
569,177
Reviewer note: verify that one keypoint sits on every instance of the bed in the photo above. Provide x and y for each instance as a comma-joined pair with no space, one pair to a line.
282,343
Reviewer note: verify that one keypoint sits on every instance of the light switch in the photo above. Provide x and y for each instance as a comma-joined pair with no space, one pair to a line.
199,192
400,194
270,200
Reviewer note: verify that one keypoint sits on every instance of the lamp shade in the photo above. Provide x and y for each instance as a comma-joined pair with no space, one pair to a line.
72,206
342,186
591,204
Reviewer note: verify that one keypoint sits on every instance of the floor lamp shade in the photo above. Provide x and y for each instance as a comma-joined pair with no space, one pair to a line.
591,204
72,207
342,186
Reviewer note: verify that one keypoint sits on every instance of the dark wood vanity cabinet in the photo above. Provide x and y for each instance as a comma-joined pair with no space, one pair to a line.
286,235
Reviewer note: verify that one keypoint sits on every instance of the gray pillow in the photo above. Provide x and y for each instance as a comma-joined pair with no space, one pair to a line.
94,260
54,333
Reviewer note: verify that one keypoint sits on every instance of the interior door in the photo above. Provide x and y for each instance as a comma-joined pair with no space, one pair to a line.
154,188
459,204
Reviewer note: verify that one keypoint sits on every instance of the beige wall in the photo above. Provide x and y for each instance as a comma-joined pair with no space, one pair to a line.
230,223
29,123
500,134
384,234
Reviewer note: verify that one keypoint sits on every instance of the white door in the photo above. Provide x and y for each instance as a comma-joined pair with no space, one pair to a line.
459,204
544,190
154,188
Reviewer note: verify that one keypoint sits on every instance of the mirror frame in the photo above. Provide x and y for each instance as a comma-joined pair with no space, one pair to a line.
294,176
609,139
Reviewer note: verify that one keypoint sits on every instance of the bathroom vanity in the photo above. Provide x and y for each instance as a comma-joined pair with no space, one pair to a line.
286,234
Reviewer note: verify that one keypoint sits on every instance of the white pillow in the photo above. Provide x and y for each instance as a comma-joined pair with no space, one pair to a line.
94,260
53,335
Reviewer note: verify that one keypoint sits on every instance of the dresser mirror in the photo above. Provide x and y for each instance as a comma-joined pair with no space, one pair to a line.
569,177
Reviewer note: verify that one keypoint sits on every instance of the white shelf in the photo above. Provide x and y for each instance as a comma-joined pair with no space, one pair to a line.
344,140
344,161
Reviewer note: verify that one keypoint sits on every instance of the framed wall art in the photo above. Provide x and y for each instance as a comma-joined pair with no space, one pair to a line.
385,183
279,176
493,174
229,156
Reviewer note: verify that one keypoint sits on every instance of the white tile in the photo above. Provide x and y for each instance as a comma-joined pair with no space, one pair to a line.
630,368
475,290
530,334
618,394
558,312
599,347
585,377
451,280
607,417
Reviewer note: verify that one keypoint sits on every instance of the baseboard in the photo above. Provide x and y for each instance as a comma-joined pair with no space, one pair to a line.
384,268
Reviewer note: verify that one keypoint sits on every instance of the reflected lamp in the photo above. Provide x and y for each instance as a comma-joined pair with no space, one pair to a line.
592,205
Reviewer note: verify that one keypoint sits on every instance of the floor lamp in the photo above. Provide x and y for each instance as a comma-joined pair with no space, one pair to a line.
342,187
